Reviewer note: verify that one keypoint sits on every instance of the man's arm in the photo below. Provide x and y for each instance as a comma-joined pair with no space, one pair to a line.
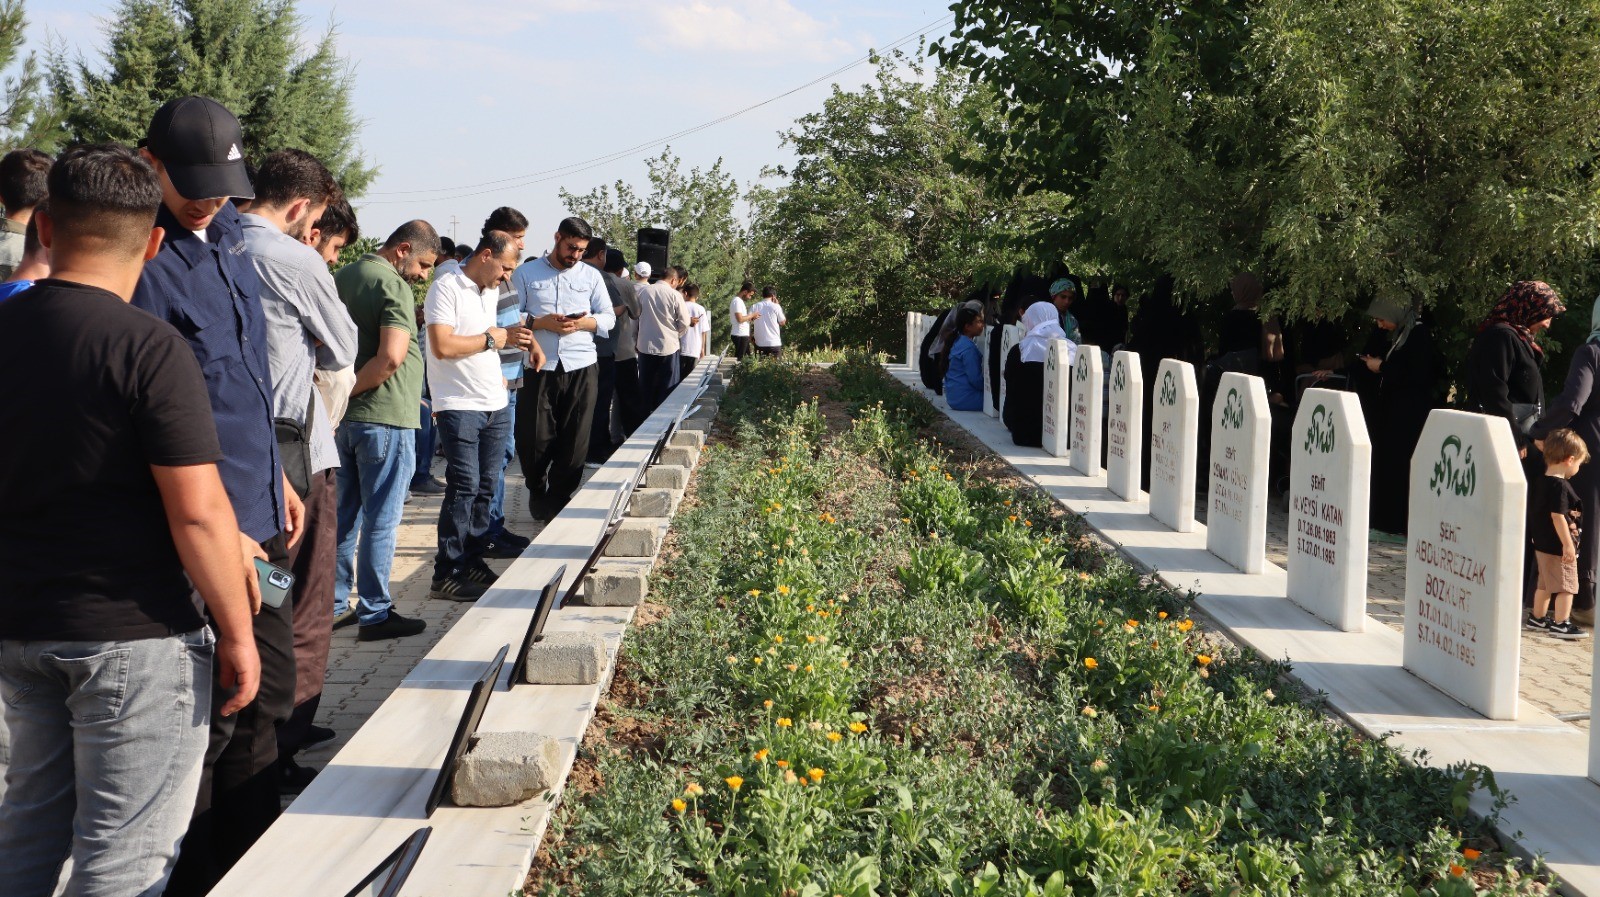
327,319
393,343
446,344
207,537
601,313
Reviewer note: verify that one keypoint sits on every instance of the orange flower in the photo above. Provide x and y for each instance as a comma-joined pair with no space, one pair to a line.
1091,663
815,773
1471,854
791,667
1457,870
767,703
783,764
734,782
1186,625
1161,615
694,790
1203,659
761,754
679,805
1133,624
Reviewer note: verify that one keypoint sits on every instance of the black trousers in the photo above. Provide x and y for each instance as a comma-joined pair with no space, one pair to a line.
600,444
555,410
238,798
630,402
741,347
774,351
685,365
657,375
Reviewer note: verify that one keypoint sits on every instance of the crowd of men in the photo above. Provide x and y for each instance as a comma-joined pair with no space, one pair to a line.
205,406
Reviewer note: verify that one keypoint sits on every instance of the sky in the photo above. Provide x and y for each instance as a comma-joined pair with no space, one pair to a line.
460,93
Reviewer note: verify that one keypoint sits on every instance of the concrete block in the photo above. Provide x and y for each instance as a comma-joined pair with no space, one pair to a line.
689,439
697,424
654,502
678,456
566,658
617,584
505,768
637,537
664,477
705,408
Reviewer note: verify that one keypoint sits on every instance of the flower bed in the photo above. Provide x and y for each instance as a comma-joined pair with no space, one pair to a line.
882,675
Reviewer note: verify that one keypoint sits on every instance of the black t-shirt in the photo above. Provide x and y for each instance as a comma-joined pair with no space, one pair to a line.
1552,495
96,391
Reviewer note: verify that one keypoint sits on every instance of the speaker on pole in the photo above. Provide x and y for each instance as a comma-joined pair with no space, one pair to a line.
653,243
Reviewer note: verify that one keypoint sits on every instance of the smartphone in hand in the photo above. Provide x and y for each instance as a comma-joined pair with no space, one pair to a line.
275,583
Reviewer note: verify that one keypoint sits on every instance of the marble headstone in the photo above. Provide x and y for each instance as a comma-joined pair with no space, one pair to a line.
1236,510
1124,426
1174,445
1088,407
1057,390
1330,471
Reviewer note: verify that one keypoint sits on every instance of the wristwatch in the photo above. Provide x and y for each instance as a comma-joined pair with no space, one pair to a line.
488,341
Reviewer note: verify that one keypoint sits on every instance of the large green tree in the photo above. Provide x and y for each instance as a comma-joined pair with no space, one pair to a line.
697,206
883,211
246,54
27,118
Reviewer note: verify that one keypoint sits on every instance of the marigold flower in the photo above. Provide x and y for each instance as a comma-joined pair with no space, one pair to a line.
1012,518
815,773
823,614
772,651
780,562
1161,615
756,660
783,764
767,703
858,727
783,590
755,593
694,790
1471,854
810,608
1099,766
1091,663
791,667
785,722
1090,712
844,664
1007,502
789,777
1133,624
732,659
734,782
834,736
775,505
778,639
1084,576
811,639
1155,708
1203,659
761,755
679,805
1027,523
808,668
1186,625
1457,870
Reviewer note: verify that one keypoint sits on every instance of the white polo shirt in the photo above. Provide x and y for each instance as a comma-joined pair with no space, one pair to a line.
736,308
766,326
692,341
473,383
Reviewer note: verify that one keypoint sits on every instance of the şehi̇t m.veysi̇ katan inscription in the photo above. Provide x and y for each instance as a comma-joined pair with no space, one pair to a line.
1330,469
1464,553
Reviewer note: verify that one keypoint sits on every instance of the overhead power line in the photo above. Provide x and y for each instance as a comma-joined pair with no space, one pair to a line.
526,180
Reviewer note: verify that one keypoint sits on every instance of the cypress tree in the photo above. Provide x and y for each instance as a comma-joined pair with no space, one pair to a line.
27,119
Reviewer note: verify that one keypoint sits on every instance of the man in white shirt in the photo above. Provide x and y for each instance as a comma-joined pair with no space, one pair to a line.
739,318
769,317
567,307
663,320
697,342
470,407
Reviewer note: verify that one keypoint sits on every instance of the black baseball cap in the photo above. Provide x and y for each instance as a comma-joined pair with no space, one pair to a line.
202,146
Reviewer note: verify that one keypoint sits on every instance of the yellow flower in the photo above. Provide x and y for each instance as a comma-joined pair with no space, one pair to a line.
823,614
775,505
949,477
1090,712
1471,854
679,805
808,668
1203,659
1155,708
755,593
785,722
761,755
844,664
810,608
1084,576
815,773
767,703
694,790
858,727
1091,663
734,782
1162,615
783,764
756,660
834,736
791,667
1133,624
783,590
778,638
780,562
811,639
1186,625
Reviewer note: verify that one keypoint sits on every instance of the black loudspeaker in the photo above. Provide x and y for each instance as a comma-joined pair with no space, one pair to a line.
653,242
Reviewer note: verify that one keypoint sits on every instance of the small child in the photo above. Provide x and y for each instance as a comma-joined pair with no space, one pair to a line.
1554,515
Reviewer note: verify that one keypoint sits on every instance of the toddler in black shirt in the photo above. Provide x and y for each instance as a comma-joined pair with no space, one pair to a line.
1555,514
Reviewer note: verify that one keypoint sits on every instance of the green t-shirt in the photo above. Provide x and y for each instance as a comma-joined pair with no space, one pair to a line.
378,297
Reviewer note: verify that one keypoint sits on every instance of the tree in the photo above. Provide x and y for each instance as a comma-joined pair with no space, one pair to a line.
696,206
27,119
883,211
245,54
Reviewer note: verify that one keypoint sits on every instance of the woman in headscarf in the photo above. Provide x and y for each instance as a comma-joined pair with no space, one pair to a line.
1504,376
963,378
1408,378
1024,372
1578,409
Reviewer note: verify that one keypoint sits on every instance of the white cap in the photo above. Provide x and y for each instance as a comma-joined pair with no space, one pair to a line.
642,269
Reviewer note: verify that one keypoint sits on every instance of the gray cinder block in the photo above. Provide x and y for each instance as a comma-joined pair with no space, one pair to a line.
505,768
617,584
659,477
679,456
654,502
637,537
566,658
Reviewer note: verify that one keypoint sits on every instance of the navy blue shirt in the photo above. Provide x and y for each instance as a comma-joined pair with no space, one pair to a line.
208,290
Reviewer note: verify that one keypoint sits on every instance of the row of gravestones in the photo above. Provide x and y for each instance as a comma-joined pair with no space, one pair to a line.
1464,551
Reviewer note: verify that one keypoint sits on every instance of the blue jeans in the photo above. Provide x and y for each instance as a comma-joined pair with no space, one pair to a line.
474,454
107,743
497,506
427,439
375,466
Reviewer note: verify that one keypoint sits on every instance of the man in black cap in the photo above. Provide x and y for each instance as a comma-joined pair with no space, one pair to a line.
202,282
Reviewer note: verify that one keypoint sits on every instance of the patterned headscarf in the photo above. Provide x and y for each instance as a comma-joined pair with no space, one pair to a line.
1527,303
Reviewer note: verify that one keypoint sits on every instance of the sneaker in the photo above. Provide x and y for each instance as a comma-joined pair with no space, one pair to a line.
457,587
503,551
294,778
592,465
1537,624
1566,629
393,626
348,618
316,735
478,571
507,537
427,486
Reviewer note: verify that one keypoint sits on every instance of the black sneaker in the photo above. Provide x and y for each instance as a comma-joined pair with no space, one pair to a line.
348,618
478,571
507,537
427,486
1537,624
1566,629
294,778
316,735
393,626
502,551
457,587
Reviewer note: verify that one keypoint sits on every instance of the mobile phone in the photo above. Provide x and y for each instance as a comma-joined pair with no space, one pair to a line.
576,315
275,583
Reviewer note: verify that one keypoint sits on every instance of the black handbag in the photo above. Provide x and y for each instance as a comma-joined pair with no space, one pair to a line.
294,448
1526,415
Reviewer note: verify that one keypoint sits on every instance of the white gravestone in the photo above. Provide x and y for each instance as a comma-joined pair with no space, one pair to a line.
913,323
1236,511
1124,426
1174,445
1057,388
988,383
1009,337
1464,561
1594,707
1088,407
1330,470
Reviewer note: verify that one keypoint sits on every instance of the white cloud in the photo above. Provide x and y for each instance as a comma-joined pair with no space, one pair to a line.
751,27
